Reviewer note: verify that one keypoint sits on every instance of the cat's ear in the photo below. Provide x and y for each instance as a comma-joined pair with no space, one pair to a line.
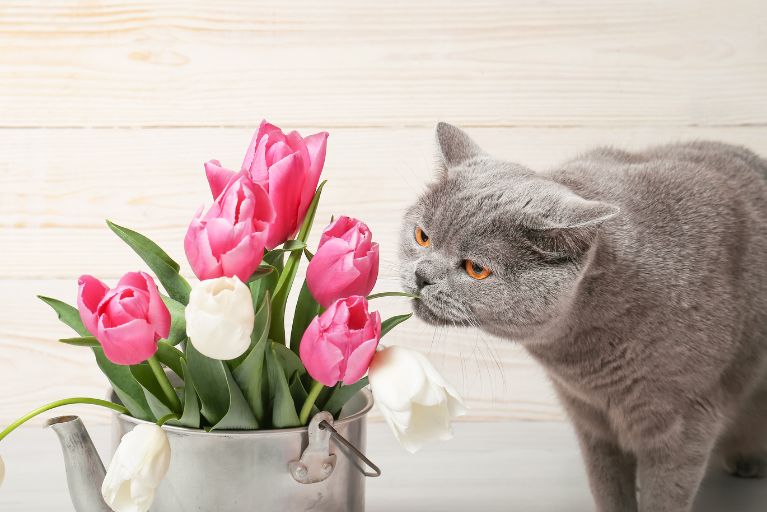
566,224
455,146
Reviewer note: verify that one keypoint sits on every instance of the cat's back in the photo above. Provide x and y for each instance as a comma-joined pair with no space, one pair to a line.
675,189
692,221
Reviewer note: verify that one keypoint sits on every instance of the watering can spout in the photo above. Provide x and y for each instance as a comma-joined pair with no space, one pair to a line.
85,471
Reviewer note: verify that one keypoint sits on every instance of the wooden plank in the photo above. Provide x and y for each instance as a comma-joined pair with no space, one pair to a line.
491,62
493,467
57,186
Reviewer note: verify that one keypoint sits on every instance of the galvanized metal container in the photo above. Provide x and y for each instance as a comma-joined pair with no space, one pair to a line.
249,471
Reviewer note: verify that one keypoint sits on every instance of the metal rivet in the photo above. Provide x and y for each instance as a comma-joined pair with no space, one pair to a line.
327,468
301,471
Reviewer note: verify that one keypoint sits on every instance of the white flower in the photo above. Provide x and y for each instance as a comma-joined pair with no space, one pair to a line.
2,471
416,402
219,317
137,468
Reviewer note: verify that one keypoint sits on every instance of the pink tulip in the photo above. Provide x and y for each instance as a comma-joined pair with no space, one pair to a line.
345,264
287,166
126,320
340,343
228,240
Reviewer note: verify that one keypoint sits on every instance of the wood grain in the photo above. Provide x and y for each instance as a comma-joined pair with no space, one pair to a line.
109,109
402,62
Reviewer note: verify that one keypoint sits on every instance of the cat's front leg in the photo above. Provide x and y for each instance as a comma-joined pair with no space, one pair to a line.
670,472
611,473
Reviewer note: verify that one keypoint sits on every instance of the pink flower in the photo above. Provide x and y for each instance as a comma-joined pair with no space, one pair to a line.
339,344
287,166
228,240
128,319
346,262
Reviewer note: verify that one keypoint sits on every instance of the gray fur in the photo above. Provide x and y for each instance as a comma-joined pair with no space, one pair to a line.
637,280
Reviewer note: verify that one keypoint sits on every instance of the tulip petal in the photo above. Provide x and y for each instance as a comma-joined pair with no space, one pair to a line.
286,179
130,343
218,177
358,361
331,271
321,359
90,293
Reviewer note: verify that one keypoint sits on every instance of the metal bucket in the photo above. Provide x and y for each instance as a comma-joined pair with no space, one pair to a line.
262,470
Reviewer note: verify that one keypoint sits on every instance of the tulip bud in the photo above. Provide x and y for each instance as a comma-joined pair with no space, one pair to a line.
345,264
228,239
339,343
127,320
137,468
220,317
288,167
416,402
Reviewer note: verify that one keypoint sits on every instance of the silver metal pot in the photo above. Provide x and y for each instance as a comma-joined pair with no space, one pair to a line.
262,470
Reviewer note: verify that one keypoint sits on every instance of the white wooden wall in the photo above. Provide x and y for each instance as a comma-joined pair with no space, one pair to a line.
108,110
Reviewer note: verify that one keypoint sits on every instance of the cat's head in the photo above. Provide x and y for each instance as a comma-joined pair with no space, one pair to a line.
494,245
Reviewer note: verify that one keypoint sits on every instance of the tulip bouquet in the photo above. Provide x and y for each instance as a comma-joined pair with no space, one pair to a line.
215,354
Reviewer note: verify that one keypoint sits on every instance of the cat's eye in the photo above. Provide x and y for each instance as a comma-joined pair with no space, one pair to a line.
422,238
476,270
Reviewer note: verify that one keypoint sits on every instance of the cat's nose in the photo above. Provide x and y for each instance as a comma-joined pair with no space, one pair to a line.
421,280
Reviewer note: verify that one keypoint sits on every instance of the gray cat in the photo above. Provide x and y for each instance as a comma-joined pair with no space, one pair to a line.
638,281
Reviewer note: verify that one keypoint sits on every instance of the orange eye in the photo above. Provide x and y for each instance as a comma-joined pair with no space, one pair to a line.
475,270
422,238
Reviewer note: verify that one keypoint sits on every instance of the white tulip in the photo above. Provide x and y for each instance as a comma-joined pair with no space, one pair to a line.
137,468
220,317
416,402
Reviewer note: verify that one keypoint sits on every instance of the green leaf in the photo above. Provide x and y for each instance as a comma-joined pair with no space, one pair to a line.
284,413
171,357
341,395
299,393
261,287
223,404
291,246
152,390
82,341
275,259
263,270
238,415
209,383
390,323
67,314
191,416
309,254
306,309
288,360
393,294
125,386
177,320
162,265
284,284
250,373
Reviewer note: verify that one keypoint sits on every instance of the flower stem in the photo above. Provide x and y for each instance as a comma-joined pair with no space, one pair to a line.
307,408
167,387
58,403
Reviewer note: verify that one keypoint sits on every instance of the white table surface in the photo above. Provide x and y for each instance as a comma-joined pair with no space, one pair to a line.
511,466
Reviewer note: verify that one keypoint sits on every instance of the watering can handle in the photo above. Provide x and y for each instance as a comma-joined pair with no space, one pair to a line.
324,425
316,462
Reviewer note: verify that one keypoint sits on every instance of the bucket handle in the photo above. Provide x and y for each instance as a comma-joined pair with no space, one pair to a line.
324,425
316,462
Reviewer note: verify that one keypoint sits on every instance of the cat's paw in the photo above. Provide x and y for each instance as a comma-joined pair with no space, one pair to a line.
747,466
